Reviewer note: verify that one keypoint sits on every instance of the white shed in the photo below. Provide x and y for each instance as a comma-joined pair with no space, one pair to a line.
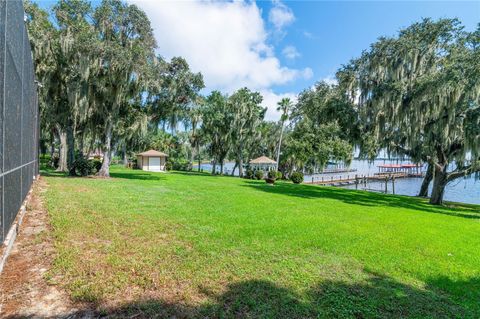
153,161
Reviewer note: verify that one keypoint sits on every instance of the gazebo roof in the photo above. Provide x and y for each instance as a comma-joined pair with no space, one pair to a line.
153,153
262,160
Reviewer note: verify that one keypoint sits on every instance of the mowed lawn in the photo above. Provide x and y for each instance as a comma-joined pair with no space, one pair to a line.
195,245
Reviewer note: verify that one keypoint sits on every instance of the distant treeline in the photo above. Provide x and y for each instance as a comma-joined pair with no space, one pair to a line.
104,88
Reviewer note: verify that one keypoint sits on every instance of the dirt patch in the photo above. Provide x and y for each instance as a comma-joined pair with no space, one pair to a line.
24,290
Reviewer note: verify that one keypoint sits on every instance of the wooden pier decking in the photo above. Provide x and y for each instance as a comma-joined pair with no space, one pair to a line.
359,179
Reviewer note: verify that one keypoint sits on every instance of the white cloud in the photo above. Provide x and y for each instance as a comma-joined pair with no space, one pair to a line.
270,100
290,52
332,80
309,35
280,15
226,41
307,73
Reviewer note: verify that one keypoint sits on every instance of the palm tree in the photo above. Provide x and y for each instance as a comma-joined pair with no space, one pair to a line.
195,117
285,105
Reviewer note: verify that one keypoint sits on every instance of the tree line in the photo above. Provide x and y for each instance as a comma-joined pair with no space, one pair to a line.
415,95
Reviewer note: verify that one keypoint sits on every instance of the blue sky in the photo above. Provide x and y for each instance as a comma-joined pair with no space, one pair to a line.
279,48
329,34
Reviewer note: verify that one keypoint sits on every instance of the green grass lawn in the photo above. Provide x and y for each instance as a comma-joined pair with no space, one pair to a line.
195,245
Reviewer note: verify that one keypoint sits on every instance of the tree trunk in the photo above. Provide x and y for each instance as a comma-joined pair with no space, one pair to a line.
439,183
62,154
105,170
199,157
426,181
81,144
70,151
124,154
214,167
52,145
221,166
234,168
192,157
240,167
279,146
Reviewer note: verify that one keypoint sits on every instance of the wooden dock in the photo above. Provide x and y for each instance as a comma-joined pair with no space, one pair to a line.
343,180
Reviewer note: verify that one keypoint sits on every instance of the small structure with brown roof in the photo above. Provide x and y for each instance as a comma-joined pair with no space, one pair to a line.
153,161
263,163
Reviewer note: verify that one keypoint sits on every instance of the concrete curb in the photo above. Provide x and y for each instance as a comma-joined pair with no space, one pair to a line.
7,245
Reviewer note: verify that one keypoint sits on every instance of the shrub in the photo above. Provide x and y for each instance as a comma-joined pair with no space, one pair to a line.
272,174
54,161
249,174
168,166
82,166
279,175
259,174
297,177
180,165
271,177
96,164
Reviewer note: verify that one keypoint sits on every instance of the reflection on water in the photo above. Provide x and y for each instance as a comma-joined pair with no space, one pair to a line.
466,190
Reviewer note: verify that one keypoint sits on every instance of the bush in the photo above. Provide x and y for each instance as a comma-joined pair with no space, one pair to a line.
54,161
180,166
297,177
279,175
271,177
168,166
259,174
96,165
82,166
249,174
272,174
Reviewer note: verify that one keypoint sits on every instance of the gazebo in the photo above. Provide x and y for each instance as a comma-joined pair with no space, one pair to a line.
263,163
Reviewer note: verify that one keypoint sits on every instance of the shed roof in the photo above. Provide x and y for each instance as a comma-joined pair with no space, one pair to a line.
153,153
262,160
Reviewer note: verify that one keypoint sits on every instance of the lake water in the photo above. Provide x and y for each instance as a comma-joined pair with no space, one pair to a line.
466,190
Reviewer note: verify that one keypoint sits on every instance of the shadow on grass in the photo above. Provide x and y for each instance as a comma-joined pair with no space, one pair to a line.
365,198
125,174
138,174
375,297
199,174
52,173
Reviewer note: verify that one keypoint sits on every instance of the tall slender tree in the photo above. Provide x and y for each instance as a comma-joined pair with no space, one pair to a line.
127,45
285,105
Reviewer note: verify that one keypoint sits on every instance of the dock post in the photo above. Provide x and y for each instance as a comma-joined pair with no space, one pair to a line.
393,185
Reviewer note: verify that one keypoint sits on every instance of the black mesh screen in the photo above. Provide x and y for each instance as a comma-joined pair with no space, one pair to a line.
18,114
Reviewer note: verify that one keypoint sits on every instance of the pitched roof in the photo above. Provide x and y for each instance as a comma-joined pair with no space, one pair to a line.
262,160
153,153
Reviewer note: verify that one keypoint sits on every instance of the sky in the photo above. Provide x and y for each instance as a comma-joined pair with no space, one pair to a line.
280,48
